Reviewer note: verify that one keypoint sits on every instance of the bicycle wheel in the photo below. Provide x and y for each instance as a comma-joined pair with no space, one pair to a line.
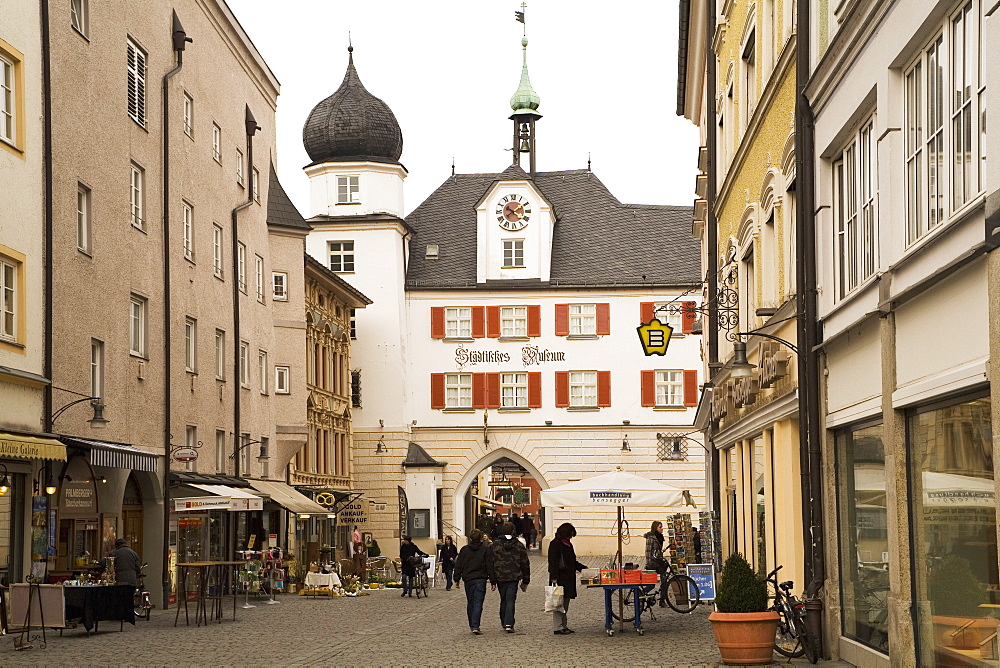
628,607
137,606
786,642
810,645
682,593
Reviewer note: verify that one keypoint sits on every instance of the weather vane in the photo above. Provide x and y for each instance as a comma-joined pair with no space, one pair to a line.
519,16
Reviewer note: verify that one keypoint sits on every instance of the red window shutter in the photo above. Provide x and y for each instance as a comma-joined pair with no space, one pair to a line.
437,322
534,389
479,390
437,390
603,319
690,387
493,390
493,321
562,389
646,312
603,388
562,320
688,316
478,322
534,320
648,388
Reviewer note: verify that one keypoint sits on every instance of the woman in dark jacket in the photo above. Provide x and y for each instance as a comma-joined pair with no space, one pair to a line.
446,557
563,568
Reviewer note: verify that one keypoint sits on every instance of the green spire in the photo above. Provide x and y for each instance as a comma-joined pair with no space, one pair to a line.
525,100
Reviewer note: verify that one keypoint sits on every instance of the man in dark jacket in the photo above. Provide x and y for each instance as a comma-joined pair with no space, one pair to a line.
496,528
407,550
510,566
127,564
474,565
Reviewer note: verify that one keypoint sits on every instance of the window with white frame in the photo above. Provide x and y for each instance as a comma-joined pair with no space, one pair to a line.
137,326
279,286
259,273
79,16
245,453
514,390
136,64
749,83
244,364
513,253
8,100
220,451
458,390
255,184
188,124
945,122
220,354
8,298
282,375
190,344
748,289
239,167
458,322
190,441
354,324
187,215
348,190
137,196
669,316
582,388
217,250
513,321
582,319
341,255
855,188
96,368
262,369
217,143
670,387
83,226
241,266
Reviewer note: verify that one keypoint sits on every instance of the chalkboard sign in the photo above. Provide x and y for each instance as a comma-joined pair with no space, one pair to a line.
704,577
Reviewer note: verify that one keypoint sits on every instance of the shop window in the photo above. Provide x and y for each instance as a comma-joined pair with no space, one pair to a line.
953,532
864,558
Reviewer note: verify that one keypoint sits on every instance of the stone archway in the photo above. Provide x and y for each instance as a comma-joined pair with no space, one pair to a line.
474,470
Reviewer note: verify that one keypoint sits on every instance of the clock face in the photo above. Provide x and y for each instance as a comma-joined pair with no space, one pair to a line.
513,212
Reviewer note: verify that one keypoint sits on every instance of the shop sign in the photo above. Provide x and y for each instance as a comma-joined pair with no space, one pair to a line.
326,499
530,356
703,576
744,391
204,503
190,521
616,498
654,337
773,363
185,455
79,491
28,447
354,513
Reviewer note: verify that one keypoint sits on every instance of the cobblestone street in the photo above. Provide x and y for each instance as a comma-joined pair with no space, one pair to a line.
384,629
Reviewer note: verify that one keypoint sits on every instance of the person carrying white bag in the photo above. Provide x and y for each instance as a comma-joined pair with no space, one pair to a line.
554,598
563,568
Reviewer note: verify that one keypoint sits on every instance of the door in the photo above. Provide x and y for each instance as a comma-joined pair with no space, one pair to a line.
132,528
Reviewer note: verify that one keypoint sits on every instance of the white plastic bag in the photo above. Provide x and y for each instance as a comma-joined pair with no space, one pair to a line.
554,598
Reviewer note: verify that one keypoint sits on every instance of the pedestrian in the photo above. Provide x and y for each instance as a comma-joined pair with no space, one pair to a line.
515,521
697,546
407,550
510,568
528,528
484,523
563,567
496,528
446,557
360,561
127,564
474,565
372,548
356,535
654,558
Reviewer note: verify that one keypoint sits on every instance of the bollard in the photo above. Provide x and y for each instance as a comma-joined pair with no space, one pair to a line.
814,618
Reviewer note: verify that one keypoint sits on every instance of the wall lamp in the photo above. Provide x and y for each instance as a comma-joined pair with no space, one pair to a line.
260,457
96,422
673,447
741,367
37,482
4,482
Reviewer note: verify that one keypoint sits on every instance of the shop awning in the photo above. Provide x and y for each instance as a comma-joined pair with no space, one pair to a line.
115,455
31,447
220,497
483,499
288,497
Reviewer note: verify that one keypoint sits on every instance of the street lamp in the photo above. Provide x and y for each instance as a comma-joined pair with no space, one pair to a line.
49,487
673,447
97,422
740,367
4,482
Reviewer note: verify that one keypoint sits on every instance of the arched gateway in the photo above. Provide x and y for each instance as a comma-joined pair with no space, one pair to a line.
472,471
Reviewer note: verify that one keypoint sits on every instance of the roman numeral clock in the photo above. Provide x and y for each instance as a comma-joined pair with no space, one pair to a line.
513,212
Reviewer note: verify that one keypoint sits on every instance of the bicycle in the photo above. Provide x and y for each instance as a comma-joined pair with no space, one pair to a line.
682,595
793,637
420,580
140,600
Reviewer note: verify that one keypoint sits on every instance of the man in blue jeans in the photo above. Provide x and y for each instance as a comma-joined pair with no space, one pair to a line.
474,565
510,568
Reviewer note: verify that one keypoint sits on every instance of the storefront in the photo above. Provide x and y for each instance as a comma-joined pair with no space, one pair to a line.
306,522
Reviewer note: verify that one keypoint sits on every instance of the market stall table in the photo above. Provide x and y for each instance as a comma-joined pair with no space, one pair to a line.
97,603
314,581
224,572
637,590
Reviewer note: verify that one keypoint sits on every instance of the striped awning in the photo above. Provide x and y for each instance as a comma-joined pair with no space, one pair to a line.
115,455
31,447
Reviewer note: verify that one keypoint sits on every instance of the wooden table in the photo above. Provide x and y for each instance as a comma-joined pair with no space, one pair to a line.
224,572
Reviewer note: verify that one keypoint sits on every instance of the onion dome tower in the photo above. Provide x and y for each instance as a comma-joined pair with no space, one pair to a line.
525,103
354,142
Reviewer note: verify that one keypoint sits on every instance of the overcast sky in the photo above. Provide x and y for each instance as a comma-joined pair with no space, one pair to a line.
606,74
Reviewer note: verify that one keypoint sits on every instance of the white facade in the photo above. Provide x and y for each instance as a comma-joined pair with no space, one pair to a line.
377,190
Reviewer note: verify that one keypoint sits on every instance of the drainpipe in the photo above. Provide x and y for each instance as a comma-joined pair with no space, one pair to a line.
47,251
180,40
251,130
711,148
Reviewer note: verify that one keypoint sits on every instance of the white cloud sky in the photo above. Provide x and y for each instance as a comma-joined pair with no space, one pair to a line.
606,74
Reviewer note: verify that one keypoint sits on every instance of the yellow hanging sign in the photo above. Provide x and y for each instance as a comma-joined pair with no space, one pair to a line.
654,336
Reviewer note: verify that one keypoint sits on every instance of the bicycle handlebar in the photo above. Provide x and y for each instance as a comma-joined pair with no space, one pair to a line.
770,576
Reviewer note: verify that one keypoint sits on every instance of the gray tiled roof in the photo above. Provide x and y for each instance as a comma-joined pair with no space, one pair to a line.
280,210
317,266
597,242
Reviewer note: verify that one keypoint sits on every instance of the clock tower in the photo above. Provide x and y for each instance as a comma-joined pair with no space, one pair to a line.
525,103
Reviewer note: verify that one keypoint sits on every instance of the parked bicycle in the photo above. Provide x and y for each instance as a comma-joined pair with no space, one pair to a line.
420,580
793,637
681,594
140,600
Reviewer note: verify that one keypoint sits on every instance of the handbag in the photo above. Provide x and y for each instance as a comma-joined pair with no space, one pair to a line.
554,595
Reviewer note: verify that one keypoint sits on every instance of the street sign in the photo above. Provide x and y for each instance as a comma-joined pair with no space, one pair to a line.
703,576
499,483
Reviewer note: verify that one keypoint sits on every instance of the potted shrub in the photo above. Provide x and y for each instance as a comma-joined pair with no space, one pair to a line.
955,595
744,627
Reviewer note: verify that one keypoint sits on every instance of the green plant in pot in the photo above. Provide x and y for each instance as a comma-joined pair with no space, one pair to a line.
955,595
744,627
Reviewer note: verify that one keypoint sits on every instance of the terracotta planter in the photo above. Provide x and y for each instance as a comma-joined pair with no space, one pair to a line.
745,638
947,634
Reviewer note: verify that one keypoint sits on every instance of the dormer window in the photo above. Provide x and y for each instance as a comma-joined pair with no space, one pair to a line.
513,253
432,251
348,190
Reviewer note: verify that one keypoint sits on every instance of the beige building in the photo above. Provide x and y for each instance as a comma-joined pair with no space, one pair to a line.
165,247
